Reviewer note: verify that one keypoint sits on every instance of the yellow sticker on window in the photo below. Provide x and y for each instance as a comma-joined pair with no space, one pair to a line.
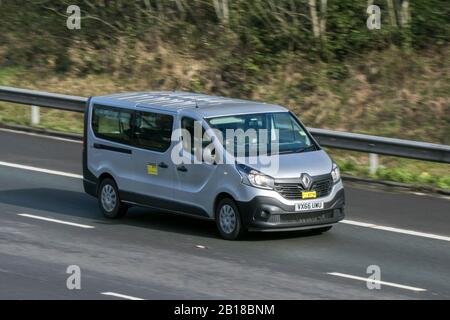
309,195
152,169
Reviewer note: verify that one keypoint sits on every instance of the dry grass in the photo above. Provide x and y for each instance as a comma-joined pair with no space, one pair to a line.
387,93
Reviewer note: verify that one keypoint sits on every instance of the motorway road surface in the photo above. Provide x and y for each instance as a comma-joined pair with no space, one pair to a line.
155,255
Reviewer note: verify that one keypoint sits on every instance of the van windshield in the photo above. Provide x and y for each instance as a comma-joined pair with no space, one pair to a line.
271,133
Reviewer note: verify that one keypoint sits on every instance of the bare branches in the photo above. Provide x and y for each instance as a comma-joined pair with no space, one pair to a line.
314,18
222,10
323,18
318,21
404,14
391,11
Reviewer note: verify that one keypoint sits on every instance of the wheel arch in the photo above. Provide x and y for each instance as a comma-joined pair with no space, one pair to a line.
219,197
103,176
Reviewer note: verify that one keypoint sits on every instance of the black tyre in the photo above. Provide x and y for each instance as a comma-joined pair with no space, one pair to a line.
109,201
228,220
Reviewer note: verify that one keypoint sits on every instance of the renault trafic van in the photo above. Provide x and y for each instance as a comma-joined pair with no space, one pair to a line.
178,152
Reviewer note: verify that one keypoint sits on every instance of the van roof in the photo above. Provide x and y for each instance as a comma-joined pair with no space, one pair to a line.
205,105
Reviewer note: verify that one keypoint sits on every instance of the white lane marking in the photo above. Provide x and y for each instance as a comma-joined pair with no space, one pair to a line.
351,222
357,223
40,135
397,230
30,168
390,284
123,296
56,221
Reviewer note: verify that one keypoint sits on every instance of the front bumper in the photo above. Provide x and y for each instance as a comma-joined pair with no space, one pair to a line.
269,214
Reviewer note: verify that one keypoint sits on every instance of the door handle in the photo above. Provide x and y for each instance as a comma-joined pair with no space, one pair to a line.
182,168
163,165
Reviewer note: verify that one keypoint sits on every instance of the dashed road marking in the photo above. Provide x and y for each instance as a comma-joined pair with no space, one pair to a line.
350,222
397,230
119,295
55,221
30,168
390,284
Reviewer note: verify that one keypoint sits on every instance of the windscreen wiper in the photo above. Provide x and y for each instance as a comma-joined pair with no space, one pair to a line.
306,149
300,150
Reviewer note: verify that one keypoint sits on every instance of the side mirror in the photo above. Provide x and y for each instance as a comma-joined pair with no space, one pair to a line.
209,156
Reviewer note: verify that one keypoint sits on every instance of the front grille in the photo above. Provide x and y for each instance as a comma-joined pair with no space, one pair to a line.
294,190
307,217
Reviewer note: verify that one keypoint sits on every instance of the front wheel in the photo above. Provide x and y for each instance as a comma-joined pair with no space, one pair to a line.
109,201
228,220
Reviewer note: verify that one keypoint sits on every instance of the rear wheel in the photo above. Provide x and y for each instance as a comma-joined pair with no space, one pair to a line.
109,201
228,220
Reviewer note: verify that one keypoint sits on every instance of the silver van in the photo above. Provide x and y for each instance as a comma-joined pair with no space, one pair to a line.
166,150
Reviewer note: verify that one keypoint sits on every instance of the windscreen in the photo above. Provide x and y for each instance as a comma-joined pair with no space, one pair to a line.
275,133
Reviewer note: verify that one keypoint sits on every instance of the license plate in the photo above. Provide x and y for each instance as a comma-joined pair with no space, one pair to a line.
309,195
306,206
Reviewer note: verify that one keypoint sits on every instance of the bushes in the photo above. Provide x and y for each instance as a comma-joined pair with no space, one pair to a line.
395,169
392,82
263,28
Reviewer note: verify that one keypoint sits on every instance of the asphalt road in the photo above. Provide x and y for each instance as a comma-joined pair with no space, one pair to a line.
155,255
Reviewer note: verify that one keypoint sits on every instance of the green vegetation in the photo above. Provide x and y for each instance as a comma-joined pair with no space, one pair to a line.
412,172
316,57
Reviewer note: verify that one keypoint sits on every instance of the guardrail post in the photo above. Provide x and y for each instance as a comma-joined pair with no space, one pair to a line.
35,115
373,162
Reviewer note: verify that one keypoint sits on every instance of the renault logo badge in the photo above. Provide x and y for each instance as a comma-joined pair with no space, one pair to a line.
306,181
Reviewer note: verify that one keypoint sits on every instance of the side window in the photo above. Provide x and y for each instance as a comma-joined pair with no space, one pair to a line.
153,130
112,124
288,129
190,141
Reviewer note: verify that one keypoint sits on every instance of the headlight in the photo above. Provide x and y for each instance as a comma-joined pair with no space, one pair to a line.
255,178
335,173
